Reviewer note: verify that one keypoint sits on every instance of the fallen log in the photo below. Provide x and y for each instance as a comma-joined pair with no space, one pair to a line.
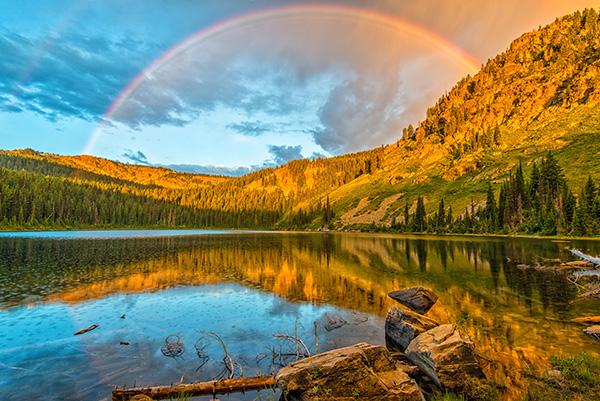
213,387
588,320
593,260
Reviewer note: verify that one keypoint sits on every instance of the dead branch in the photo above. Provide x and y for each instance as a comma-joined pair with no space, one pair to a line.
86,330
173,346
297,342
227,360
316,337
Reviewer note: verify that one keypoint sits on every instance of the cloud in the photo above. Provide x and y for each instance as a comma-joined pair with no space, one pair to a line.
311,82
251,128
213,170
347,98
283,154
65,77
348,83
136,157
317,155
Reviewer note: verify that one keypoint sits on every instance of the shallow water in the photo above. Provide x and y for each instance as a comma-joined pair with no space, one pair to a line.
247,286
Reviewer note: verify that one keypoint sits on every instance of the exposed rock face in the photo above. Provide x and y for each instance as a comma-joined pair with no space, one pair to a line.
362,371
418,299
445,355
402,326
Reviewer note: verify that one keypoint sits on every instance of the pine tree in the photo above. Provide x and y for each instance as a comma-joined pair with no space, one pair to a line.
441,217
491,211
420,222
406,216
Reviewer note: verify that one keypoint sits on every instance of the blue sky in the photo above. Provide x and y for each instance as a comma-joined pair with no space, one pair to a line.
257,95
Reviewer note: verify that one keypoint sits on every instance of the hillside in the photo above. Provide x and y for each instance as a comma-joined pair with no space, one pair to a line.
542,94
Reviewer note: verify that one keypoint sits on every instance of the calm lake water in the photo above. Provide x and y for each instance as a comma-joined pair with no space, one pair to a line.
141,286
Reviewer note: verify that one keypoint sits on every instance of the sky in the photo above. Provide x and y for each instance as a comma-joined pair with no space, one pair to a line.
225,87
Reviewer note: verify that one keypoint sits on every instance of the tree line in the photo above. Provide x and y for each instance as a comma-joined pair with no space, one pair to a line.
543,204
32,200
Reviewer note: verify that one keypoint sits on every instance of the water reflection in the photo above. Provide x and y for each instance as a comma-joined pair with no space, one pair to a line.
517,317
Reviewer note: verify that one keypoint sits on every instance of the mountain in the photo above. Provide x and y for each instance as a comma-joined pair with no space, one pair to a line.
211,170
542,94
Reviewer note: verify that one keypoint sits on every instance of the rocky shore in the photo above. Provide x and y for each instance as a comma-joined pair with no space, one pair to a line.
421,356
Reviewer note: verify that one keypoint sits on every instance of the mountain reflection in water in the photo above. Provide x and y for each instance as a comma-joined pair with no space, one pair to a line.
516,317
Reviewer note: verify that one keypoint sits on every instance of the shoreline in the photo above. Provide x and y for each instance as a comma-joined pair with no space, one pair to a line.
4,230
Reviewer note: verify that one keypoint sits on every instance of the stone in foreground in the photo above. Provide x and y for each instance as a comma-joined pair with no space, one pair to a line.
446,356
593,331
362,371
402,326
418,299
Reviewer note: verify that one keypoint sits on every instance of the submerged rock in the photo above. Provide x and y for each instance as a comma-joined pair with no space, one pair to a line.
402,326
332,322
418,299
362,371
446,356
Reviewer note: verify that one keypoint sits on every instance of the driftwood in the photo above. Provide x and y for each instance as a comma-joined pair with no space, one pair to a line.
587,273
588,320
86,330
225,386
593,260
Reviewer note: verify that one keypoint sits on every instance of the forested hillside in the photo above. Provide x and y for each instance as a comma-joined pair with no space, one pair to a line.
515,148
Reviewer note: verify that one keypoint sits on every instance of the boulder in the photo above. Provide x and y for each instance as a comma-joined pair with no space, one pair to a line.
593,331
446,356
418,299
362,371
402,326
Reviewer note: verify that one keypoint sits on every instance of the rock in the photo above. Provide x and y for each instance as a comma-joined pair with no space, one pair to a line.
362,371
446,356
402,326
141,397
418,299
332,322
553,373
593,331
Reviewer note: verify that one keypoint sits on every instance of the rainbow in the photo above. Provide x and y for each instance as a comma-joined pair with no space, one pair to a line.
245,20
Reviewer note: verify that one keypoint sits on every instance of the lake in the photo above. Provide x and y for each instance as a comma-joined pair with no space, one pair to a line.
140,287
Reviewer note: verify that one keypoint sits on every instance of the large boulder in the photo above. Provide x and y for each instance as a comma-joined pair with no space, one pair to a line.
418,299
446,356
402,326
362,371
593,331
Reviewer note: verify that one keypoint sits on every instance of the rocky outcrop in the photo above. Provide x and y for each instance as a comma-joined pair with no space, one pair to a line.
446,356
402,326
362,371
418,299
